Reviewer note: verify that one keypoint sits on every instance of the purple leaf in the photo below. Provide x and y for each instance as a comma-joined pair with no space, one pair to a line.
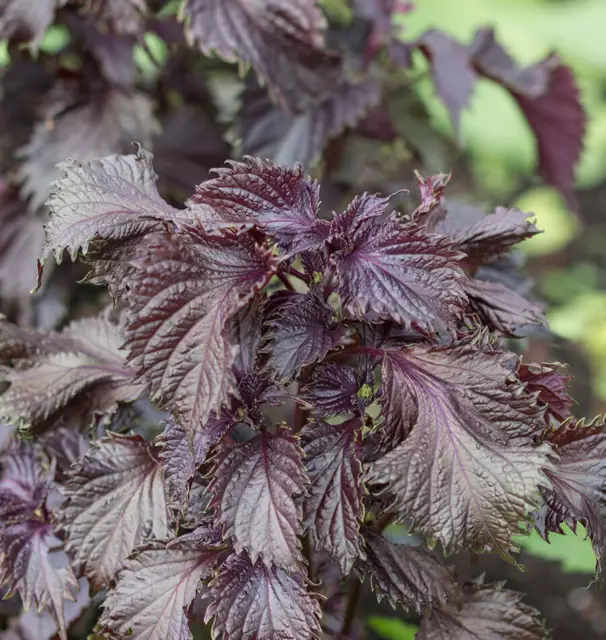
332,391
111,198
65,446
578,483
549,98
551,385
119,16
558,122
252,601
267,131
486,238
333,506
302,332
115,500
180,458
502,309
491,60
490,612
394,269
32,625
452,72
27,567
277,199
183,290
155,589
113,53
83,374
195,512
404,574
246,331
431,190
20,245
254,487
467,470
84,128
26,563
190,144
26,20
282,41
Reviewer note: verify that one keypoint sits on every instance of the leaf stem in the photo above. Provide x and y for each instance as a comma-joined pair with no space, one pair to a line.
285,281
298,274
352,604
301,414
307,553
384,520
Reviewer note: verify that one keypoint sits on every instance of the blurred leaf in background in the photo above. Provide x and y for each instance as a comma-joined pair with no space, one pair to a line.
391,628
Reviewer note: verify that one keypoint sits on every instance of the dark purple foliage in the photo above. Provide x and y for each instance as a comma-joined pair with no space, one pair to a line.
287,367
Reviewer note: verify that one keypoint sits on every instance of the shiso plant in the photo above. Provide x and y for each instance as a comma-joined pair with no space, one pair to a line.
369,329
272,382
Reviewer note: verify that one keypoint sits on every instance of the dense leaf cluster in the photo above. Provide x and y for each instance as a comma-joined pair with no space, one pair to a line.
369,327
324,89
275,383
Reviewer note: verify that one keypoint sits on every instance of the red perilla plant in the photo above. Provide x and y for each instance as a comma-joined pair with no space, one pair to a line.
271,385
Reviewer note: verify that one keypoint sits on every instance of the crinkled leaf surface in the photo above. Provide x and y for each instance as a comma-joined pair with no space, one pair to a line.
502,309
485,238
282,40
397,270
332,390
32,625
115,500
27,565
578,483
467,471
180,457
252,601
302,332
111,198
183,290
156,587
108,123
84,373
255,485
551,386
276,198
406,575
488,612
333,505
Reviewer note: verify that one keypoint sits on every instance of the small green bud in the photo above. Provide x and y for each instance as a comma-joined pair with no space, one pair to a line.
365,392
316,277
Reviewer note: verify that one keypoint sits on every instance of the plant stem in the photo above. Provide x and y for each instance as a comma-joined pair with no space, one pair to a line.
307,553
285,281
298,274
352,604
384,520
300,418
